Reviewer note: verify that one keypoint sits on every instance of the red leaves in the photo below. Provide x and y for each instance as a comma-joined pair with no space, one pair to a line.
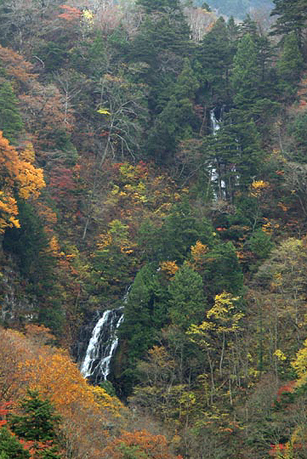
286,388
70,13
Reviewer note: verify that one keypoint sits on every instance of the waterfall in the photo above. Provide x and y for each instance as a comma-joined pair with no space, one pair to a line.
102,345
216,126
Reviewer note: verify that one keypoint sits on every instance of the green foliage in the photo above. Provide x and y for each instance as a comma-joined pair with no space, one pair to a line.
158,5
10,448
291,17
180,230
215,56
10,120
160,37
177,119
222,271
298,130
290,64
37,421
145,312
261,244
245,74
131,452
187,301
53,54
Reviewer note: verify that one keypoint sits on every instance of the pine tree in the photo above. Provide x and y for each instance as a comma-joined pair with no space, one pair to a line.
245,73
151,6
37,421
187,302
223,272
291,17
177,119
290,64
162,36
215,56
10,448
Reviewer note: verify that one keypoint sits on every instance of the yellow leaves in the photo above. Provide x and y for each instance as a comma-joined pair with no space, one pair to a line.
103,111
280,355
54,246
221,319
269,227
107,403
16,172
88,16
257,187
198,251
8,212
117,235
31,180
28,154
104,241
300,365
169,267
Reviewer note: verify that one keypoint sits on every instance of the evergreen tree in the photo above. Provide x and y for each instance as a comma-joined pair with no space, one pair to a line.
37,421
187,302
290,64
291,17
10,119
177,119
162,37
252,82
180,230
245,73
223,271
215,56
144,313
10,448
151,6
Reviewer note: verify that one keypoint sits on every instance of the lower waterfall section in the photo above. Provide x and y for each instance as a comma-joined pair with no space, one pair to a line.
102,346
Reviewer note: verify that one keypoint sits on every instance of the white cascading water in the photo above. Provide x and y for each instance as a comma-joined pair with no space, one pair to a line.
214,122
102,345
216,126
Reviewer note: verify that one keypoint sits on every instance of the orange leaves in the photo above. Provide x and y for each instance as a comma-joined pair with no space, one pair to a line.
16,172
169,267
86,411
15,66
53,374
286,389
70,13
141,443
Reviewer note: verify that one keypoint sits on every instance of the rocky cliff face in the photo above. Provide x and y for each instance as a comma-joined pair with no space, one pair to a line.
17,307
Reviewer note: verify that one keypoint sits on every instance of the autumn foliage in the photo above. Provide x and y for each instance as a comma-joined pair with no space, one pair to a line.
19,178
142,444
86,412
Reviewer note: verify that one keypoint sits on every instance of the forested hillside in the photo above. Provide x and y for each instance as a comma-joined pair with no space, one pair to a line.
237,8
153,162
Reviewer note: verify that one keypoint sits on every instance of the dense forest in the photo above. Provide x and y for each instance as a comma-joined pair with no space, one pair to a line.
153,161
